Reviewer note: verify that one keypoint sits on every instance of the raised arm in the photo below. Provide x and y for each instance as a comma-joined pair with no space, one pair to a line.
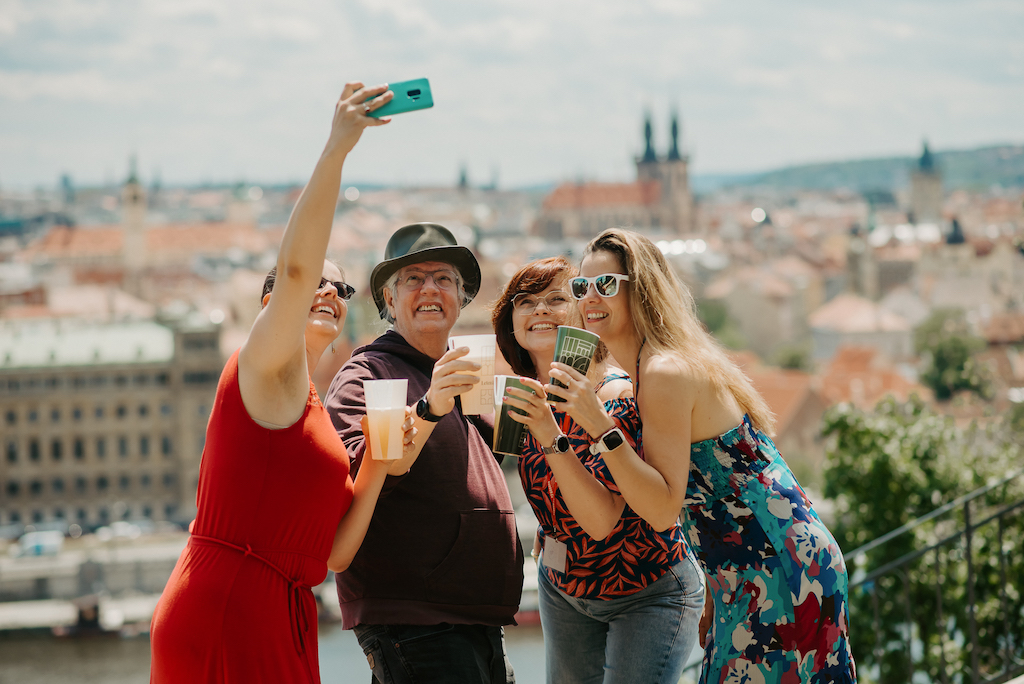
273,357
655,486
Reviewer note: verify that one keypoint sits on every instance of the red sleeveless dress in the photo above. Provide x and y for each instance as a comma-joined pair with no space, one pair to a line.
238,607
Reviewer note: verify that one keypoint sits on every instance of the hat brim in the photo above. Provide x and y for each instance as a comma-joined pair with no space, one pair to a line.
456,255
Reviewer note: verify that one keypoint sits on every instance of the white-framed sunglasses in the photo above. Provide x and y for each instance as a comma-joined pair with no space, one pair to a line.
606,284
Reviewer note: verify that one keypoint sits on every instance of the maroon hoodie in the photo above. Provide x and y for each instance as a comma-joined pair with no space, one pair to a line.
442,544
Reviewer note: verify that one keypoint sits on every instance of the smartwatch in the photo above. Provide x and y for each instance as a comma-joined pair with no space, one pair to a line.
423,411
609,441
559,446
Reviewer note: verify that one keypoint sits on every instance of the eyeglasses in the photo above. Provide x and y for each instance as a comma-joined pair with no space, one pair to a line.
443,279
606,284
525,303
345,291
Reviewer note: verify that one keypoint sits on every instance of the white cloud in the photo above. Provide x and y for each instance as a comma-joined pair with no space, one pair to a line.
83,86
542,90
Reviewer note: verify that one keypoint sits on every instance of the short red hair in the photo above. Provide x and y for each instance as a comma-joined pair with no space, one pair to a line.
532,278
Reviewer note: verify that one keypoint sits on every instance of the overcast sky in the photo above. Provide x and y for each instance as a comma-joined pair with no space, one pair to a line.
536,90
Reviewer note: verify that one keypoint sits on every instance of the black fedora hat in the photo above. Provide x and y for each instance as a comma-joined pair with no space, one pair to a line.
419,242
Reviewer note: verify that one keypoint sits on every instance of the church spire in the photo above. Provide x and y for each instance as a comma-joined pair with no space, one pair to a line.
673,151
926,163
133,173
649,155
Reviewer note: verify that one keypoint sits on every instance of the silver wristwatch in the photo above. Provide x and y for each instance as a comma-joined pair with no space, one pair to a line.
559,446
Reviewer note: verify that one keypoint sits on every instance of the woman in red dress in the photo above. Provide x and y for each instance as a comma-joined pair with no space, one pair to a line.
276,505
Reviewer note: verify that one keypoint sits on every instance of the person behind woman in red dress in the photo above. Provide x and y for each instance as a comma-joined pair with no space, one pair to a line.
276,504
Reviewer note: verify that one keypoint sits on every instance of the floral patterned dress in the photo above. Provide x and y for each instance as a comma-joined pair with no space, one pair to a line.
776,574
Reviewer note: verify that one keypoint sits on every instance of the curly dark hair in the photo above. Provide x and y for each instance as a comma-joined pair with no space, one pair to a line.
535,277
268,284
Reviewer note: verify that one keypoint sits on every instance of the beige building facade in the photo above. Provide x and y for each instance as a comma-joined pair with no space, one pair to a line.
926,190
103,422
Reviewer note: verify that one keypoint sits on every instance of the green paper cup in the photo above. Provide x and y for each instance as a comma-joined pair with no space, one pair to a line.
509,434
574,347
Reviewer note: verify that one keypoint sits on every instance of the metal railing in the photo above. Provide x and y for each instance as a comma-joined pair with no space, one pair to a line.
949,542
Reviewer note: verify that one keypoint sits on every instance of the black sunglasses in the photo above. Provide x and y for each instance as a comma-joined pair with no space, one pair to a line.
345,291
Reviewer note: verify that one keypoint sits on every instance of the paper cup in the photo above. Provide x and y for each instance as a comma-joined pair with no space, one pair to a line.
509,434
479,399
574,347
385,407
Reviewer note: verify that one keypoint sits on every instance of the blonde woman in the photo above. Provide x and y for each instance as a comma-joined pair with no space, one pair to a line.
775,573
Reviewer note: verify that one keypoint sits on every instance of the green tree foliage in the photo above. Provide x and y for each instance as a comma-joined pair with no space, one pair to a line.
949,350
892,465
1015,420
714,314
794,357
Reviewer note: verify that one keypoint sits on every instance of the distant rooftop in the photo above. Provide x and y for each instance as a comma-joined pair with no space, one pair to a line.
591,195
162,241
849,313
53,343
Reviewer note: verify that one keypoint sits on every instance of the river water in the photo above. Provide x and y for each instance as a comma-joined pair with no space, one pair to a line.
113,660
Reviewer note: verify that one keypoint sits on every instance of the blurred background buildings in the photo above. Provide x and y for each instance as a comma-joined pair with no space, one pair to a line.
118,305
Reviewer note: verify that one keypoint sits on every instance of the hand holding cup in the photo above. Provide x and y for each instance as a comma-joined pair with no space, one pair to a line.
481,349
453,375
532,410
580,399
575,347
398,466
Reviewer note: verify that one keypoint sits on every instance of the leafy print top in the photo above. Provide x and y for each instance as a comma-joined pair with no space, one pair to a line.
634,554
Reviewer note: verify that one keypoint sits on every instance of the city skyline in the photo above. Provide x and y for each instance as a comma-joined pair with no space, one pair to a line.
525,92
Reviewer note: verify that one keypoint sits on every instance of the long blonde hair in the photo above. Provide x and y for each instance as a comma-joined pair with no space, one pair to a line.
664,313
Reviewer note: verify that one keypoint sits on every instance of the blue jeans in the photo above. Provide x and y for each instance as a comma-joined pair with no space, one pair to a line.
644,638
435,654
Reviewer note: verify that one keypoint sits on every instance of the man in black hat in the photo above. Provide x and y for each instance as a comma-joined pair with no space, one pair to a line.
441,568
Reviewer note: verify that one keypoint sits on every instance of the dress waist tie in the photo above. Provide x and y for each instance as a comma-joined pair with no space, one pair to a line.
296,610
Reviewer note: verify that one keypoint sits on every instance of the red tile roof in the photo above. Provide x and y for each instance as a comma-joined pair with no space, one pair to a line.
1005,329
860,375
161,240
850,313
786,391
591,195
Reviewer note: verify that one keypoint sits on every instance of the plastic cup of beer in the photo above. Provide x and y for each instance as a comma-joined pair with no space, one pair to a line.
574,347
385,408
509,433
480,398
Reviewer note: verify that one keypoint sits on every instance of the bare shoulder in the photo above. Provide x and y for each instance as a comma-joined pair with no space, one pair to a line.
619,388
617,385
670,383
672,369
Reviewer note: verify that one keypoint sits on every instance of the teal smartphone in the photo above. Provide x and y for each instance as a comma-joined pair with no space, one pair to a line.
409,96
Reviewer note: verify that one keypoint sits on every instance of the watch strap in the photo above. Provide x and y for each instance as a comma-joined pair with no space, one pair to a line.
553,449
600,446
423,410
